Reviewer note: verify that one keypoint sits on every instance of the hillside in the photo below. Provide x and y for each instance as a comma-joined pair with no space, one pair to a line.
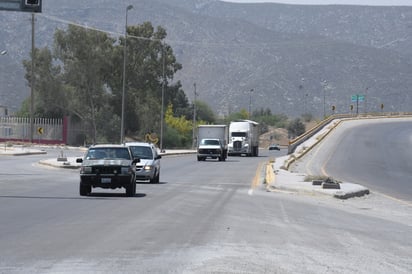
295,58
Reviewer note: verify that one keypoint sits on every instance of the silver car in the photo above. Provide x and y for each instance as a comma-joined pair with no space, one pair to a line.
148,169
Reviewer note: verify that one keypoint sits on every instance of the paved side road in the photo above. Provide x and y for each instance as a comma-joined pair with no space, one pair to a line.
283,179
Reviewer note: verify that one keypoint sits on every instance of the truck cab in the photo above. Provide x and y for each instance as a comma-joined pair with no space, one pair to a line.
243,138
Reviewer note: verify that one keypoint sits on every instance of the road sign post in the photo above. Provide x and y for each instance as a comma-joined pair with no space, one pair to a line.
357,98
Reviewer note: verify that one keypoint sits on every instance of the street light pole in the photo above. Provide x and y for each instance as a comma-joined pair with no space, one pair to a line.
324,85
124,77
33,55
3,52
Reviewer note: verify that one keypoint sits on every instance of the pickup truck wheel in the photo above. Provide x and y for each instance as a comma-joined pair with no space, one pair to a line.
84,189
131,189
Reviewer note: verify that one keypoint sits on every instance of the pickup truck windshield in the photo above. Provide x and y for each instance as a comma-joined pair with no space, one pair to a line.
210,142
108,153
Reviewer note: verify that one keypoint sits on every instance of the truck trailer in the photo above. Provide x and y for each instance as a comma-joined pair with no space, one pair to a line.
212,142
243,138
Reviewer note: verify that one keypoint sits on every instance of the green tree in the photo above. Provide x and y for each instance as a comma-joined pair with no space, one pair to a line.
87,64
83,77
295,128
150,61
204,113
179,126
241,115
49,99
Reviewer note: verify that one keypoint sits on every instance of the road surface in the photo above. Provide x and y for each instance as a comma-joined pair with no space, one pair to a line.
204,217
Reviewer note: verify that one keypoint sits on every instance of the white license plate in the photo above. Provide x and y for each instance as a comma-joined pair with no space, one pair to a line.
106,180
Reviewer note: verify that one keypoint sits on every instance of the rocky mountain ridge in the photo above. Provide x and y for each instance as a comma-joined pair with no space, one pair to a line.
296,59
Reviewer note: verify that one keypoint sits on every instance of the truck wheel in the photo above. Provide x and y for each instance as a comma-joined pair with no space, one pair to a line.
84,189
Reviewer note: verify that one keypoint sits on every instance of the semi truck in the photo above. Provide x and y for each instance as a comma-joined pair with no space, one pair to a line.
212,142
243,138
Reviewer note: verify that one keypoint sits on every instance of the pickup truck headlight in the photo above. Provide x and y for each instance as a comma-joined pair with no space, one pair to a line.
85,170
125,170
147,168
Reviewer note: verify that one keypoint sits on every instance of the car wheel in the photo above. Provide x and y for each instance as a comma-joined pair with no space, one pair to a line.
84,189
153,180
157,178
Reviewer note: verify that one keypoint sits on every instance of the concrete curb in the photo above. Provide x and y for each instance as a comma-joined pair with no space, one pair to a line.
69,164
21,152
277,179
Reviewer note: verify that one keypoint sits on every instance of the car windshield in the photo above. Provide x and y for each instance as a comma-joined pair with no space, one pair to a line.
108,153
142,152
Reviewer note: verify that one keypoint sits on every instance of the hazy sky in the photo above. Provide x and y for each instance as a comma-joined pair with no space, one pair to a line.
326,2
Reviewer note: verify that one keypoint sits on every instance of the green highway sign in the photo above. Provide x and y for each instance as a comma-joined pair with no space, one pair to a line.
358,98
361,98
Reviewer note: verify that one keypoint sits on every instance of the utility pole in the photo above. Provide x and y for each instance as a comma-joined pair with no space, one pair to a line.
122,130
250,103
163,96
194,116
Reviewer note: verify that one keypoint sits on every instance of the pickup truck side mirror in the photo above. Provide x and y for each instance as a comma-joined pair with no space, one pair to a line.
136,160
79,160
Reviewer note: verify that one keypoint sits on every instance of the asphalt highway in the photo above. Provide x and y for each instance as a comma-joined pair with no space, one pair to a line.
203,217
